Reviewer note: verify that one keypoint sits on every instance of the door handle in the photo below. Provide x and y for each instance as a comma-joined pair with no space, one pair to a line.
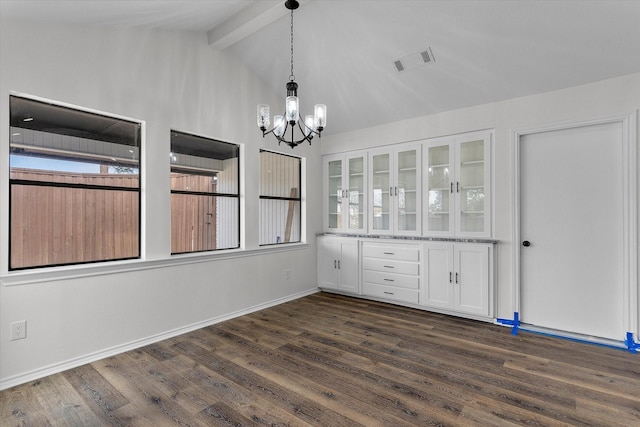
526,243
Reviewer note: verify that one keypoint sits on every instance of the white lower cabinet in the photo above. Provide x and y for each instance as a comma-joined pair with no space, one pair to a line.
457,277
338,266
449,277
391,271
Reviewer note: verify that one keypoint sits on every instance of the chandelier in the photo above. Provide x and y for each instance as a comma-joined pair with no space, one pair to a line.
311,126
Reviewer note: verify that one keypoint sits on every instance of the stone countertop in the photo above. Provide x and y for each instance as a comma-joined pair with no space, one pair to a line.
415,238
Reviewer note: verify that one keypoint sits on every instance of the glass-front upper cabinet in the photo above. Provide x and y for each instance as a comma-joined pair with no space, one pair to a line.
457,185
379,197
395,198
345,192
438,176
472,191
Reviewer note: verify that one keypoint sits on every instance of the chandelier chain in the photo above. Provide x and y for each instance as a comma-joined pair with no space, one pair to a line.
292,76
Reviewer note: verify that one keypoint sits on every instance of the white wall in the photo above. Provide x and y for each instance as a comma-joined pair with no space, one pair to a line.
171,80
597,100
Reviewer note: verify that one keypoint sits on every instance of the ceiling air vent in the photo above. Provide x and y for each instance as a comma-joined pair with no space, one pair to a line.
414,59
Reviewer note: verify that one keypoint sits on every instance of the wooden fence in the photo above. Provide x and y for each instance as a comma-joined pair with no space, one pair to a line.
193,218
60,225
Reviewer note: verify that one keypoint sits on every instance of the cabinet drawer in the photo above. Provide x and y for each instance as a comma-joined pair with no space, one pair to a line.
390,292
389,251
391,279
391,266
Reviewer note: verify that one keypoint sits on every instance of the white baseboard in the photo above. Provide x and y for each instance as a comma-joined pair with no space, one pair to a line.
35,374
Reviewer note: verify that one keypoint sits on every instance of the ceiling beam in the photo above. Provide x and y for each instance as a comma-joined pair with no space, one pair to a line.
246,22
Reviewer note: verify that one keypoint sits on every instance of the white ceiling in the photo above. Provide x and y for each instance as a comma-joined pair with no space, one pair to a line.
484,50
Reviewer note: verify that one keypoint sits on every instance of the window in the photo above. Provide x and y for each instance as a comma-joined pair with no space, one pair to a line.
205,202
280,198
74,185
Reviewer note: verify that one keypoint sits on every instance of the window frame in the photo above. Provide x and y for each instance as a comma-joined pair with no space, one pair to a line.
284,198
51,184
205,193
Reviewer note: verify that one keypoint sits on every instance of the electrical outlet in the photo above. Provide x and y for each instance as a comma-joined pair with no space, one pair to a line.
287,274
19,330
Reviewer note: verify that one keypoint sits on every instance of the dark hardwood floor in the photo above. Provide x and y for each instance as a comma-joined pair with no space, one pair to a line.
327,360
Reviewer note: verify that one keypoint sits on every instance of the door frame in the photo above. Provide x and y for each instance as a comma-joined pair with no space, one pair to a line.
630,211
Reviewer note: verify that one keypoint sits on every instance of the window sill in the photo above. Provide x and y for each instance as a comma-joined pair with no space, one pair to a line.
50,274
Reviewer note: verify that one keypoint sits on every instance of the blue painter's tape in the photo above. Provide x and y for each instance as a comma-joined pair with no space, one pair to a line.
629,342
515,323
632,346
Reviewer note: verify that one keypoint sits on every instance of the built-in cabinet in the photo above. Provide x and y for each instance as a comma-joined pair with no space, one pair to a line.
394,190
338,264
456,185
449,277
391,271
345,192
412,224
457,277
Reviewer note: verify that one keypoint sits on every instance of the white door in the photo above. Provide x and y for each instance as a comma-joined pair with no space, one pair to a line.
571,230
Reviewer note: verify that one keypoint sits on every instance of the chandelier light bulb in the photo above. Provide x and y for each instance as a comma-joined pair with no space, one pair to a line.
291,109
309,125
278,125
320,113
263,116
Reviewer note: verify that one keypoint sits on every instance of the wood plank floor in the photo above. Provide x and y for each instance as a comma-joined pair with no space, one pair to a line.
328,360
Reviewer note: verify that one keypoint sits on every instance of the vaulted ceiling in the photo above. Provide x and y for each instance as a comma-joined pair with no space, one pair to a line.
345,50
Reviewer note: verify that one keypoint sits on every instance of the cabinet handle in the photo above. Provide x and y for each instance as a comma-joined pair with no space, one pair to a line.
457,187
396,191
450,277
452,187
346,193
389,253
335,263
388,266
389,293
389,280
390,191
457,279
338,264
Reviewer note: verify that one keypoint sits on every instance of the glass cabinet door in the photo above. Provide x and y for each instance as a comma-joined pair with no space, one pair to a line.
406,195
439,189
470,186
335,194
356,195
380,187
